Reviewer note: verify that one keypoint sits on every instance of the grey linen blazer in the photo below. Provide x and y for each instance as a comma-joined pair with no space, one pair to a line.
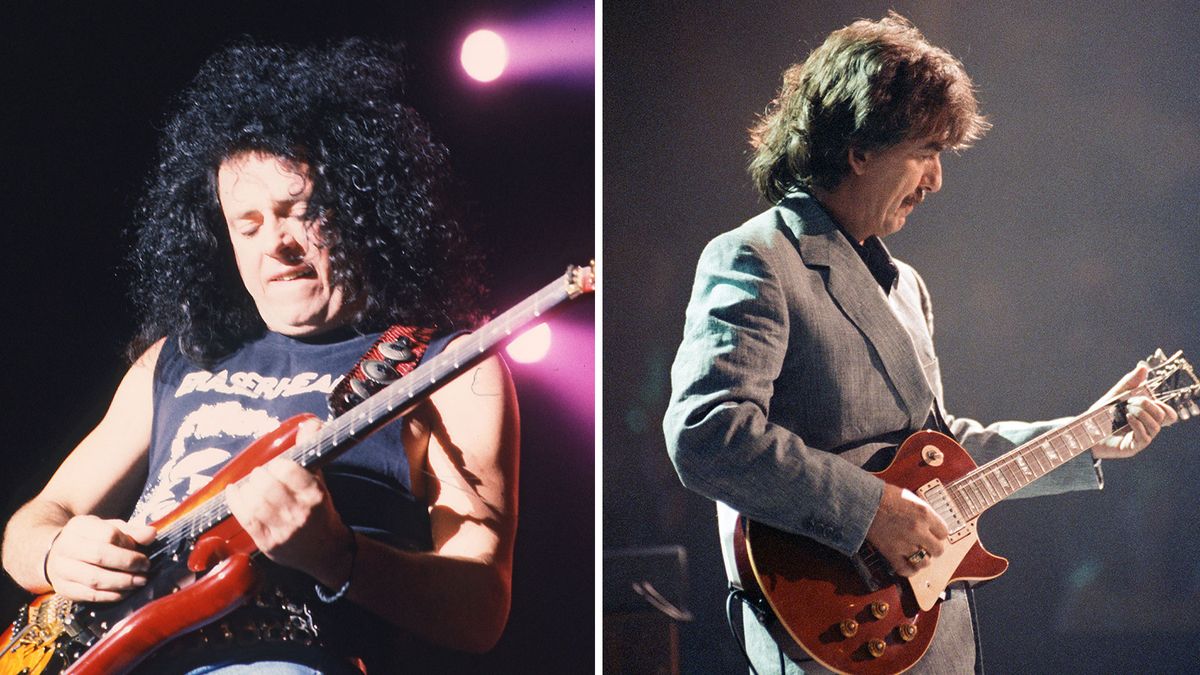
797,376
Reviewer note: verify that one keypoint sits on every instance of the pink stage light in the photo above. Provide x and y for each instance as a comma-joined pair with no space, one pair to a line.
531,346
484,55
557,44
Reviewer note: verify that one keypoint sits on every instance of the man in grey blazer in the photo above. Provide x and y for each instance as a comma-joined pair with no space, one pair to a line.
807,353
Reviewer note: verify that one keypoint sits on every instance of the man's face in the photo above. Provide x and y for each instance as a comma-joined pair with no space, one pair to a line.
889,183
279,254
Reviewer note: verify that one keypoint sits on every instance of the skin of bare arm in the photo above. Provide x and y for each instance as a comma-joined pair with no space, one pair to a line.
463,447
93,557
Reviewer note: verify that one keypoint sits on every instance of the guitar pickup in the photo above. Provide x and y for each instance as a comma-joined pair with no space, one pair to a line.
935,494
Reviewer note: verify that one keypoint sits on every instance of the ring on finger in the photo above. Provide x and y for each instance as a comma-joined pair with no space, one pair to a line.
918,555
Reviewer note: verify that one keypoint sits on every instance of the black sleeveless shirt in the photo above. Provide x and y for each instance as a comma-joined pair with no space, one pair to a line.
202,418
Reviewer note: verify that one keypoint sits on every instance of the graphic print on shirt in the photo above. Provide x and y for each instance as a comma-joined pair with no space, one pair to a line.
213,433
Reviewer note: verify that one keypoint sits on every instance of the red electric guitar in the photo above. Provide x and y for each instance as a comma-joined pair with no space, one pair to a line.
855,615
201,561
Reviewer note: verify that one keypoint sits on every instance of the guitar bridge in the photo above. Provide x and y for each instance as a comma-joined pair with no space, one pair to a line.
872,568
864,571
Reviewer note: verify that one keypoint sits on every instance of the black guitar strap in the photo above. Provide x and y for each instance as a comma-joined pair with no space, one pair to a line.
936,422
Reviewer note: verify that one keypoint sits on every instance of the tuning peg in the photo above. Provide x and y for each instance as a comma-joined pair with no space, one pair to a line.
1193,408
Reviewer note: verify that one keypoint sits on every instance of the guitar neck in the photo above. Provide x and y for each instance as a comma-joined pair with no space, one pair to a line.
987,485
400,396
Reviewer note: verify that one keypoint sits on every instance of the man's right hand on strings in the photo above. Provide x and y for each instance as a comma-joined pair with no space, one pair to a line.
904,525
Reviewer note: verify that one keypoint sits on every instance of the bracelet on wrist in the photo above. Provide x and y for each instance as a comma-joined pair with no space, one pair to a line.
329,597
46,558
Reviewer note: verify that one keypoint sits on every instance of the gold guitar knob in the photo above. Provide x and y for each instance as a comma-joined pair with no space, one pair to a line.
908,631
849,628
875,647
879,609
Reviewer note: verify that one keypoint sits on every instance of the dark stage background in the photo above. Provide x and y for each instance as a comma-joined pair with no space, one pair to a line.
1060,250
87,85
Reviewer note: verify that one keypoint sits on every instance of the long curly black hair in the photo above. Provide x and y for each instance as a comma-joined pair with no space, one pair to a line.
380,195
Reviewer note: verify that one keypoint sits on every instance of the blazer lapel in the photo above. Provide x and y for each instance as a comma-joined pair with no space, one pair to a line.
856,291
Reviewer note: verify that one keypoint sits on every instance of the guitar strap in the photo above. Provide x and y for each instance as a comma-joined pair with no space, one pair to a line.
936,422
397,351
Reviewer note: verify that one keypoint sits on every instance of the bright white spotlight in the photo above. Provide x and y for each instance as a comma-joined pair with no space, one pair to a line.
532,345
484,55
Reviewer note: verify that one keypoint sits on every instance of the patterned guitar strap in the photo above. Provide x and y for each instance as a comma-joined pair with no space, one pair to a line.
397,351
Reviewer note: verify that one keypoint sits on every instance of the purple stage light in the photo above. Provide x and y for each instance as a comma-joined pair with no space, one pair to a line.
566,375
484,55
559,44
531,346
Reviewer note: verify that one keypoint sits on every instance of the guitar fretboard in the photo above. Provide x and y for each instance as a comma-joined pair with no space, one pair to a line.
987,485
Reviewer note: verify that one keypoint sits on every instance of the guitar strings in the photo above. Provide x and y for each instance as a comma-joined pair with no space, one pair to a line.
1009,470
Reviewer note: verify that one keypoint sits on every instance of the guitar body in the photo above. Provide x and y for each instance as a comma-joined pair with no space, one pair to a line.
28,644
135,637
854,614
815,591
227,537
134,627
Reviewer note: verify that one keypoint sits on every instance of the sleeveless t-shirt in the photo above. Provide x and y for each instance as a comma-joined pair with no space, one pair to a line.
203,418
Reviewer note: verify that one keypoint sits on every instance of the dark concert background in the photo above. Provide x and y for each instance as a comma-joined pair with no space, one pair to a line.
1060,250
87,86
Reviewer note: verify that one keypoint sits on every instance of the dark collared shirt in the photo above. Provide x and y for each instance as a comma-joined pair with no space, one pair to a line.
875,255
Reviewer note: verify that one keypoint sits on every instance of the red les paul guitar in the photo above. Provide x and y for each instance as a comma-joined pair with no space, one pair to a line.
855,615
201,561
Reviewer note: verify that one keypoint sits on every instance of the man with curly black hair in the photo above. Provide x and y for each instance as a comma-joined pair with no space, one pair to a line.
298,209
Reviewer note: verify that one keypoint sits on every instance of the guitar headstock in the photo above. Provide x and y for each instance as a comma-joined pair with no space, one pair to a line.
1173,381
581,279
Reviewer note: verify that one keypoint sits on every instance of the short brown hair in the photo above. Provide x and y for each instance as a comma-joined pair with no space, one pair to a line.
870,85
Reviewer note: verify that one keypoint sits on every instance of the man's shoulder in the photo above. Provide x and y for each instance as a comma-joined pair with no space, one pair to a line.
766,229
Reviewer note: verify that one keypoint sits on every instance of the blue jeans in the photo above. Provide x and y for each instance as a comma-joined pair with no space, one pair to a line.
264,668
253,660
